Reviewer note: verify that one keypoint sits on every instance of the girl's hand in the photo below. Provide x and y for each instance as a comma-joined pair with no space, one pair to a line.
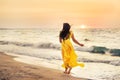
81,44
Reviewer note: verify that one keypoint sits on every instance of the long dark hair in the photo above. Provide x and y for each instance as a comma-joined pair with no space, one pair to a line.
65,31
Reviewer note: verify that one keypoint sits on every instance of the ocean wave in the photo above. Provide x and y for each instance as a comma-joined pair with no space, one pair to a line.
92,49
38,45
16,43
48,45
103,50
99,49
115,52
43,45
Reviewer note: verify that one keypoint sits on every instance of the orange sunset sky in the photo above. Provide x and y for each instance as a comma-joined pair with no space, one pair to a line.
93,13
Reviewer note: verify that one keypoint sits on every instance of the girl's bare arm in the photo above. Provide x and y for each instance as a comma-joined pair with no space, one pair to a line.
75,41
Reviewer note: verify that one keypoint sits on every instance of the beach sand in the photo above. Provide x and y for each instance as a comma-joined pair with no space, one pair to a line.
13,70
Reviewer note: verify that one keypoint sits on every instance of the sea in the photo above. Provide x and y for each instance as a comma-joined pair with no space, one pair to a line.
40,46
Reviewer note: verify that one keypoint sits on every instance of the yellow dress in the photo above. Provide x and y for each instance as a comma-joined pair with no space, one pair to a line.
68,54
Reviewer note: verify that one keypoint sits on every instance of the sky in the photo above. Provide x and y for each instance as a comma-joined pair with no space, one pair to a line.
93,13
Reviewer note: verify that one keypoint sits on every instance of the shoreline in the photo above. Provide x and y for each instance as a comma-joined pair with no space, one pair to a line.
14,70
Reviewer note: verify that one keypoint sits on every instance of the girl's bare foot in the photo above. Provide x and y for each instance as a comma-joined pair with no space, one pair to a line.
68,72
65,72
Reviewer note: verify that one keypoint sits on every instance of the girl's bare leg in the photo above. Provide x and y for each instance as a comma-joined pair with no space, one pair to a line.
70,68
65,70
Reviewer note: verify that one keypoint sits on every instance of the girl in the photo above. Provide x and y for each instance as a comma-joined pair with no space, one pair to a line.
68,54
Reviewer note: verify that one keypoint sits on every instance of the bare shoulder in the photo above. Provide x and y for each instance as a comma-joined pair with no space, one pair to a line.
71,32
